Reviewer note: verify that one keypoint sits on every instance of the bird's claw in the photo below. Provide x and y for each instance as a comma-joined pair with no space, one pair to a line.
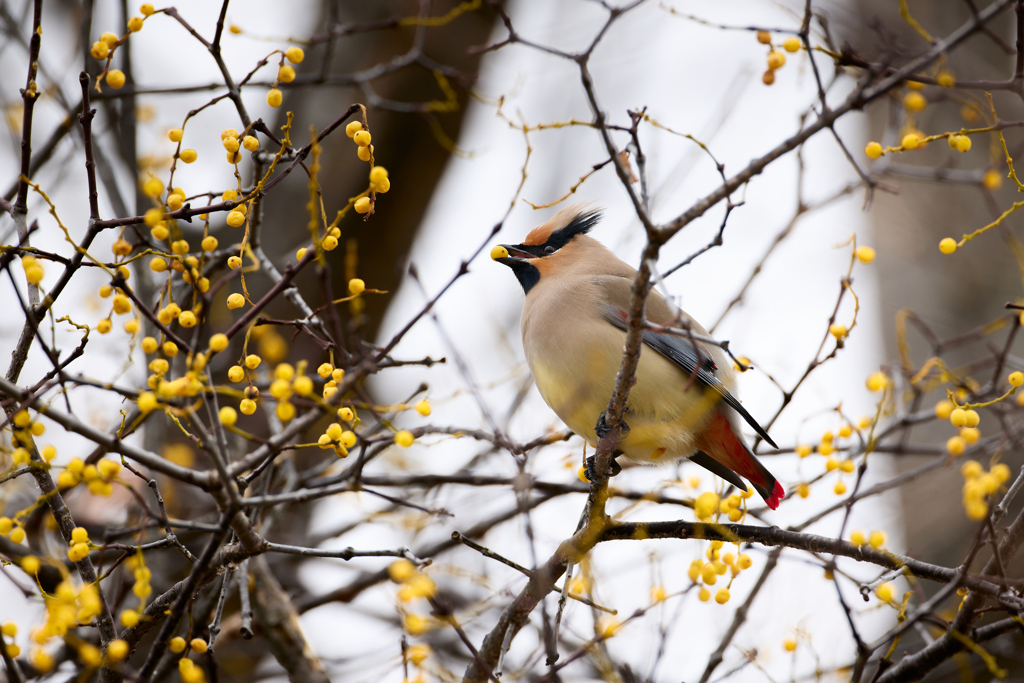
590,466
603,429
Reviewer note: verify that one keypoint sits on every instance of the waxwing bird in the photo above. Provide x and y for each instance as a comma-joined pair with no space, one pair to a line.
573,324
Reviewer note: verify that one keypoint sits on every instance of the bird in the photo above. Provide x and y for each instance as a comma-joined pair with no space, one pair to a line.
573,325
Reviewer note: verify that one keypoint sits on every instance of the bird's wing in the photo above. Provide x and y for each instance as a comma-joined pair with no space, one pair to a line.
687,356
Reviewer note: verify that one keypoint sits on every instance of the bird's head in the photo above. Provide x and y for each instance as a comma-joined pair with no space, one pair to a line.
548,248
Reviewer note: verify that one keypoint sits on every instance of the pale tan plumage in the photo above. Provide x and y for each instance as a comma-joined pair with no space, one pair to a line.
574,288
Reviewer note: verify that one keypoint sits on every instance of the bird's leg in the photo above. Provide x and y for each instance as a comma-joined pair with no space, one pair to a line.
603,429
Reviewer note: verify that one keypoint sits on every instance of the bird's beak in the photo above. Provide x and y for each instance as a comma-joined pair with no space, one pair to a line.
503,253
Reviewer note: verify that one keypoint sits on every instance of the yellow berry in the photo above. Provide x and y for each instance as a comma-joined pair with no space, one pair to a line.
115,78
356,286
378,174
383,186
252,361
286,74
865,254
877,381
352,128
250,143
345,414
958,417
764,37
17,535
404,438
915,101
177,645
956,445
234,262
910,141
100,50
944,409
963,143
789,645
970,434
362,205
722,596
837,331
992,180
423,407
188,155
295,55
947,246
768,77
30,565
329,243
362,138
744,562
247,406
303,386
776,60
364,153
803,450
187,319
803,490
873,150
1016,379
285,411
885,592
135,24
236,300
160,232
110,39
218,342
274,97
236,219
846,430
857,538
847,466
946,79
971,418
705,505
198,645
792,44
839,488
876,539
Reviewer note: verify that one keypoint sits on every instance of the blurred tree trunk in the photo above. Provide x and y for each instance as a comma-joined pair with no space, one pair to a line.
404,143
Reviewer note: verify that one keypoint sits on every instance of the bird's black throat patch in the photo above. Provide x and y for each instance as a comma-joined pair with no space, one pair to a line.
527,274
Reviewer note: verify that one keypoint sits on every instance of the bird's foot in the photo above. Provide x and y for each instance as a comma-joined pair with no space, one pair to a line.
603,429
590,466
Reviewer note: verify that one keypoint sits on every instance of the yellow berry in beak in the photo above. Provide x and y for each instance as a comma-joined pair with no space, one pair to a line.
498,252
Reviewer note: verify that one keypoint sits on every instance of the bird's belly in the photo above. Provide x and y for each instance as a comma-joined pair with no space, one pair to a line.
664,417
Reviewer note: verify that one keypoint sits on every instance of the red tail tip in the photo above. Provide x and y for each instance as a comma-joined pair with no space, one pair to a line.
778,493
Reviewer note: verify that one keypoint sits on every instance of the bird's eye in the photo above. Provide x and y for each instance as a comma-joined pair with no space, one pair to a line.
549,250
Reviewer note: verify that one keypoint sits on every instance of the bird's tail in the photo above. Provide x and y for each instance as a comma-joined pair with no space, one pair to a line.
720,442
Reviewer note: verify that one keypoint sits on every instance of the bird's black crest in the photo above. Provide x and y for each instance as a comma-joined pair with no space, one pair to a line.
580,225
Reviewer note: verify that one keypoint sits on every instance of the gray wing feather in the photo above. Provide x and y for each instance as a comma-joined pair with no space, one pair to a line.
681,352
